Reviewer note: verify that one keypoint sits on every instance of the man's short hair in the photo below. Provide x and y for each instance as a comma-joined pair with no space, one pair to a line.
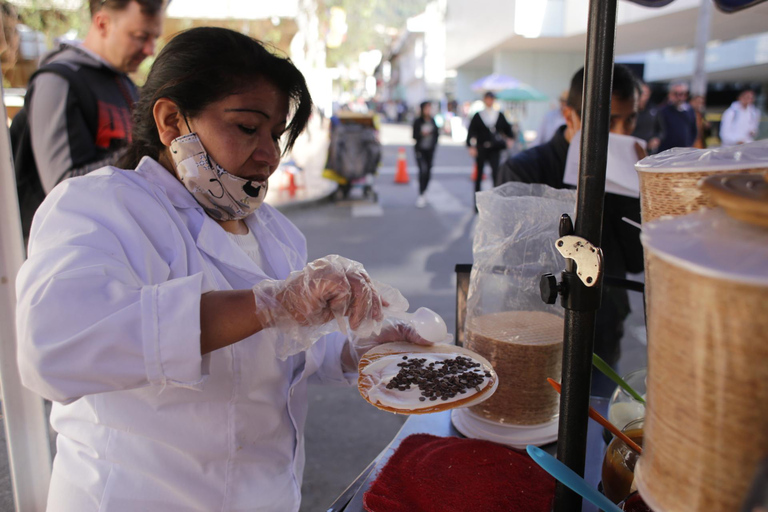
625,86
148,7
489,94
678,83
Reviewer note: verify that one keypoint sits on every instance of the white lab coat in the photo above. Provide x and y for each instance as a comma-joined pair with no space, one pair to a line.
109,329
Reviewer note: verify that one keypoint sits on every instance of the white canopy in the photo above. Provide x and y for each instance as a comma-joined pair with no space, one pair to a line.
232,9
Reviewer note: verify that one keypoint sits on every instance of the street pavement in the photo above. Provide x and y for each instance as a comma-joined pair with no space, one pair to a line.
414,250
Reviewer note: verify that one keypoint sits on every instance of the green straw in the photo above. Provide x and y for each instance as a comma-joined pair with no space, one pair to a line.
608,372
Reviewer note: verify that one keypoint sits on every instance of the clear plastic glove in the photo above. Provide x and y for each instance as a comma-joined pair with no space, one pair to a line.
393,330
329,294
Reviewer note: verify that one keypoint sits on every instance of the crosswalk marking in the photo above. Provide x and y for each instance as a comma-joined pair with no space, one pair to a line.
367,210
441,200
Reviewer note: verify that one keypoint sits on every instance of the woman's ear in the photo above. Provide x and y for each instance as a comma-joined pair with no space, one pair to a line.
168,120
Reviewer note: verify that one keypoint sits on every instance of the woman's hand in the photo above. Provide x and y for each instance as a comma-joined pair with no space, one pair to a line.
327,288
393,331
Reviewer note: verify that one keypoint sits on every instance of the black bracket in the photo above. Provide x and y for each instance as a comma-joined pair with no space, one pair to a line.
574,295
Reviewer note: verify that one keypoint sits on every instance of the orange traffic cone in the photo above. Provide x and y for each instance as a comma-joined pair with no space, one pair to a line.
289,179
292,187
401,176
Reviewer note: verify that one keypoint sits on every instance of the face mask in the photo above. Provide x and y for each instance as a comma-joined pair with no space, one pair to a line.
222,195
620,175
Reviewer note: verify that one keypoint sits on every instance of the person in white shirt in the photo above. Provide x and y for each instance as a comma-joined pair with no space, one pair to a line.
740,121
171,316
551,122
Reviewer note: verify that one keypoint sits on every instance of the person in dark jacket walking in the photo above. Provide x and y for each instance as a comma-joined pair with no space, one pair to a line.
488,135
646,119
425,133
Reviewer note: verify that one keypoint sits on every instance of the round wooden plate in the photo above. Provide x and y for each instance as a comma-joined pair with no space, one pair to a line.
365,382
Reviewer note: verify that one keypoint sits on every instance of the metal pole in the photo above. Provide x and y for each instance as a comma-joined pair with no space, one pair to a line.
699,82
580,321
26,432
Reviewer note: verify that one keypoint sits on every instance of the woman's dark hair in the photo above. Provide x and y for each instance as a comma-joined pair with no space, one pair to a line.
202,66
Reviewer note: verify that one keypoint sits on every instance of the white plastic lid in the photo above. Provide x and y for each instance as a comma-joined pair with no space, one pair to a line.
711,243
731,158
516,436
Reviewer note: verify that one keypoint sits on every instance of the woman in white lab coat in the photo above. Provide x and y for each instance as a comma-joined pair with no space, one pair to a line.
156,300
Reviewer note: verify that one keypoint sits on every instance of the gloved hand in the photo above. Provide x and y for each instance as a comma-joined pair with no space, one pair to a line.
392,330
303,306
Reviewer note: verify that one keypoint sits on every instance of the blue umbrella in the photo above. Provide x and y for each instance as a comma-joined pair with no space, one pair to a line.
508,88
522,92
495,82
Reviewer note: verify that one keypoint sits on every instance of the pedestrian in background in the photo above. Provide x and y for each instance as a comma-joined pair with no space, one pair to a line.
167,312
740,121
552,121
646,119
426,134
676,122
488,135
77,113
703,128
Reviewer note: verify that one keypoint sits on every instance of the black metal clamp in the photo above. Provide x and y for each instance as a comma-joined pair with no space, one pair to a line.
579,288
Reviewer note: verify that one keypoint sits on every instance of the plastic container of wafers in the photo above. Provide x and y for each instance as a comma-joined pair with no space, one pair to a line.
507,322
668,180
706,427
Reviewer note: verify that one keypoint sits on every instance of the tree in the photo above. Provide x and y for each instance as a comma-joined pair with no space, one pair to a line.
370,25
48,17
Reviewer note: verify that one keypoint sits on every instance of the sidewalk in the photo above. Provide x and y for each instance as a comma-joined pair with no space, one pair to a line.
309,186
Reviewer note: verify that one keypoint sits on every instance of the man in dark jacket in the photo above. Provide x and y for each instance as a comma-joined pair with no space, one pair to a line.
77,114
540,164
620,243
676,121
489,134
122,34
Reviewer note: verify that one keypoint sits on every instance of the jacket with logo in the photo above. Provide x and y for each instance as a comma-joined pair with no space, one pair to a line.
72,139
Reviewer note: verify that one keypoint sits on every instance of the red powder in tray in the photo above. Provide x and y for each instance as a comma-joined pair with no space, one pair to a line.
448,474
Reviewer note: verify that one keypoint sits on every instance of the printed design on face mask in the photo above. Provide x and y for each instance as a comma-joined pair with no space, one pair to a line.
251,190
221,187
233,198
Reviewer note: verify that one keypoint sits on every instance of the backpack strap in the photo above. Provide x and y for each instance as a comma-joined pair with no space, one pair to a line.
77,84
